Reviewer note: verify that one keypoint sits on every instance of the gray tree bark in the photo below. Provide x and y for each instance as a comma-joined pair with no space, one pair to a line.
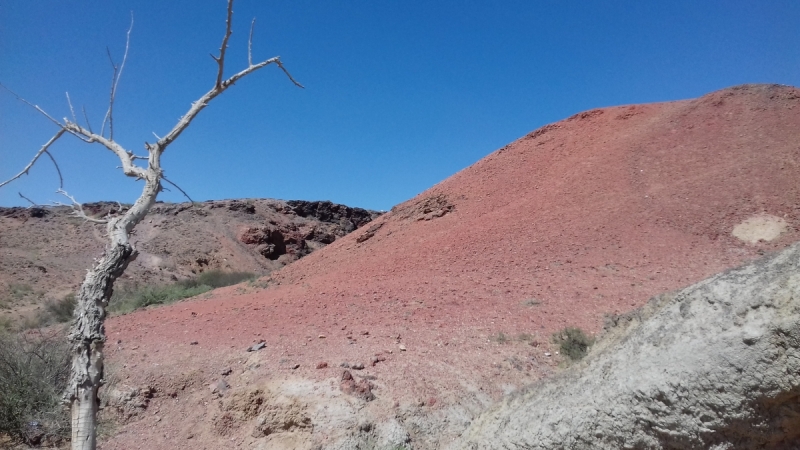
87,333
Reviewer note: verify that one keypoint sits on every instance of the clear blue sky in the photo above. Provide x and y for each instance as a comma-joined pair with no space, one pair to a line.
399,94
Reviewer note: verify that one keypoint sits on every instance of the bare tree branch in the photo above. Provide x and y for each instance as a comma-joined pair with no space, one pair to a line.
280,64
32,105
77,208
135,157
86,118
127,158
250,44
115,82
26,198
210,95
111,95
128,167
177,187
71,109
58,169
44,113
36,157
155,150
221,60
87,333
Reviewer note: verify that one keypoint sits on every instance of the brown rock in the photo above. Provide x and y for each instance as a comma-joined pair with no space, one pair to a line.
361,388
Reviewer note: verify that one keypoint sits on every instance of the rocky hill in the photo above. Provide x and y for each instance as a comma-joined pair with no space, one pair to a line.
716,365
402,333
44,251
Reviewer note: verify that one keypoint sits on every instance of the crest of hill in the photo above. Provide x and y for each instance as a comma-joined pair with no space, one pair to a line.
588,216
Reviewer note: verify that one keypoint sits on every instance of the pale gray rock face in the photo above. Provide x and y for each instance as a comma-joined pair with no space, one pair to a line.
716,365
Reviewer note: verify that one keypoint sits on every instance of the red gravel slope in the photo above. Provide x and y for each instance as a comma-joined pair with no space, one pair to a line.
577,220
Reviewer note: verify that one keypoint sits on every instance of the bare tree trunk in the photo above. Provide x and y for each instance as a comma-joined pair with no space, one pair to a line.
87,336
87,333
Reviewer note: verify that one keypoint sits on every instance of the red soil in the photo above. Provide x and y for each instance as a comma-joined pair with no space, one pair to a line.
580,219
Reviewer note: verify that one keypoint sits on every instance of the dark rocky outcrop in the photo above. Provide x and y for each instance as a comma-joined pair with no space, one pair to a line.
348,217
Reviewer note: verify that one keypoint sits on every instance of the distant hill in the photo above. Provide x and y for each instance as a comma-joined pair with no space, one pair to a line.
45,251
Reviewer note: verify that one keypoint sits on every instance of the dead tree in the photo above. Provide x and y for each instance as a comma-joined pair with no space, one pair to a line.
87,332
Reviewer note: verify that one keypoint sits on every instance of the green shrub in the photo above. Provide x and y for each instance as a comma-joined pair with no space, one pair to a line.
34,371
531,302
61,310
573,343
55,311
129,299
125,301
20,290
217,279
6,324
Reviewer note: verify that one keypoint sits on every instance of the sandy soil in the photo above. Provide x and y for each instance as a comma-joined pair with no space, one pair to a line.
580,219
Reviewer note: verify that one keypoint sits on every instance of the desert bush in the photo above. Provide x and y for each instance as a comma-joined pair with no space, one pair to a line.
34,370
55,311
531,302
217,279
129,299
573,343
61,310
20,290
500,338
6,324
125,300
525,337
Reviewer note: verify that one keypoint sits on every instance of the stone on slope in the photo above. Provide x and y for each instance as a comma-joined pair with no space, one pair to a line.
717,365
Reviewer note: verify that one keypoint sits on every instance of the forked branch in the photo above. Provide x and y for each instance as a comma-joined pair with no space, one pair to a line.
220,85
152,172
126,158
77,208
221,59
250,43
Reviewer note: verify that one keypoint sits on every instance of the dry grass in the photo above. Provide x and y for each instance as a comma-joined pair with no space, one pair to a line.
34,370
